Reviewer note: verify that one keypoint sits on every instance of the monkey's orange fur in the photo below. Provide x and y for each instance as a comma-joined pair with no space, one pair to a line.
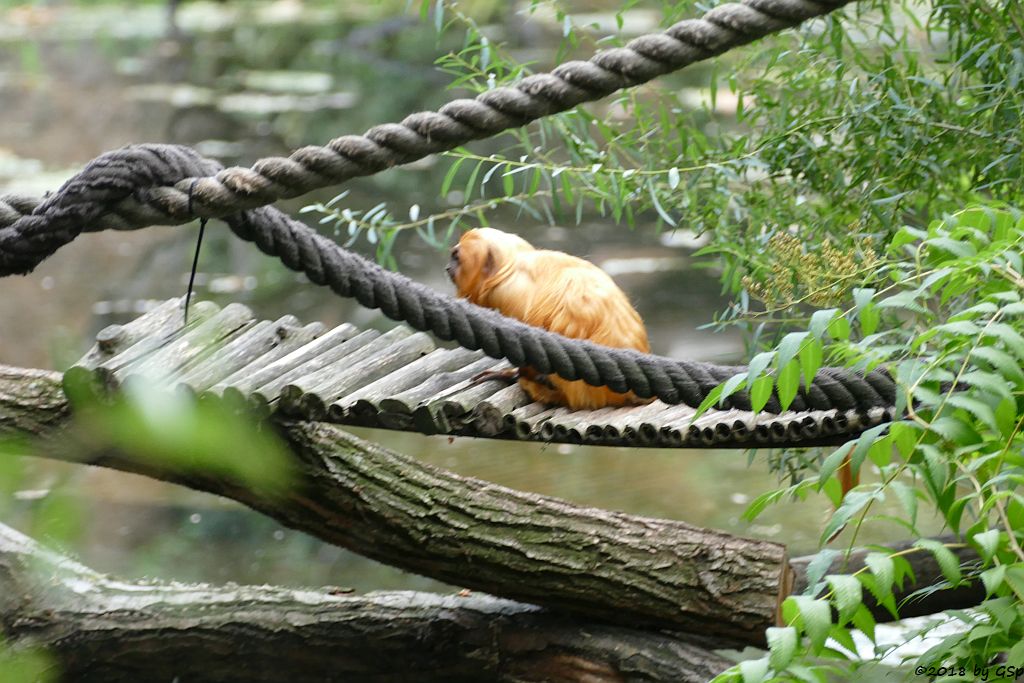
555,291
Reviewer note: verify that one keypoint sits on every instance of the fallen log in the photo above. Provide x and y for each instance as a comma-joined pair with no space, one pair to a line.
32,403
101,630
606,566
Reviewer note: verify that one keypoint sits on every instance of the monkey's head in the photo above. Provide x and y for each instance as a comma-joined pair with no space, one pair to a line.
480,257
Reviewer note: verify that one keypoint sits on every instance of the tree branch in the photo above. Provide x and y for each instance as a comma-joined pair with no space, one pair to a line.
100,629
345,499
603,565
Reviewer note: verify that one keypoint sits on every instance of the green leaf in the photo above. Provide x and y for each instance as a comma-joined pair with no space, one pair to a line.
1004,610
820,321
1006,416
1009,336
657,206
815,619
732,385
960,327
758,364
906,300
758,505
846,594
806,673
811,355
864,443
993,578
673,178
907,497
984,632
789,347
864,621
754,670
954,430
842,636
958,249
508,184
904,236
839,328
904,435
978,409
832,463
788,382
782,641
471,183
1015,579
449,177
987,543
862,297
984,308
880,452
1000,360
1016,654
818,566
439,17
948,562
884,570
760,392
711,399
988,381
869,319
852,503
1016,308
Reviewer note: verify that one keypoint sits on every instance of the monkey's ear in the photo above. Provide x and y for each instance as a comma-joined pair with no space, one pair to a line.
490,263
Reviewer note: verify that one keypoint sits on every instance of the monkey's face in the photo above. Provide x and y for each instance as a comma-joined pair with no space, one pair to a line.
453,263
478,256
472,262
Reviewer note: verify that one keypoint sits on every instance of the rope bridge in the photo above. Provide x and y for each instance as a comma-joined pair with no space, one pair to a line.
141,185
400,380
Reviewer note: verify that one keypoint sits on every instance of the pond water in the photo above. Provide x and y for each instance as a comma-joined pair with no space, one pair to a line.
254,79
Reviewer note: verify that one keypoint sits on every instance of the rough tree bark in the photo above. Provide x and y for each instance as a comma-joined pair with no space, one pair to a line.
102,630
602,565
32,403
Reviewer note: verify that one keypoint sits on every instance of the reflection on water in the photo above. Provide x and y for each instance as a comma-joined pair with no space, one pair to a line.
252,85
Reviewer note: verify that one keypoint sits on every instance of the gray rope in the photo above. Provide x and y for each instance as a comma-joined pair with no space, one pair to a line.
139,195
326,263
673,381
140,185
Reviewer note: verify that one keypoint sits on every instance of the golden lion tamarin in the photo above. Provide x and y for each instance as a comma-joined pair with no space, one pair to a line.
555,291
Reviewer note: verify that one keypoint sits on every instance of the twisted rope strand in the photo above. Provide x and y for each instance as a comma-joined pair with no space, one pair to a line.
326,263
140,185
138,188
472,327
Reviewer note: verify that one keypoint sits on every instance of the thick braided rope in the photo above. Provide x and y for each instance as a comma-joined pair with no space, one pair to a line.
473,327
326,263
175,200
144,184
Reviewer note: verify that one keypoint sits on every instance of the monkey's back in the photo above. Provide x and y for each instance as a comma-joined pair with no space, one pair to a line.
572,297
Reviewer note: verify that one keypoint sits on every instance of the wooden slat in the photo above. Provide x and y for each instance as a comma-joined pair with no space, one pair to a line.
399,380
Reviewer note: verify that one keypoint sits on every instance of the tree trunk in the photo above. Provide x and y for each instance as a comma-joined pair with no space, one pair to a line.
607,566
102,630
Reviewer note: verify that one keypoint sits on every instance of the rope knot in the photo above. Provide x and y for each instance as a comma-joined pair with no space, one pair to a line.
89,200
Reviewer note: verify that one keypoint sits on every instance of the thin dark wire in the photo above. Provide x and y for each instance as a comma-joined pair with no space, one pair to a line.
195,264
195,259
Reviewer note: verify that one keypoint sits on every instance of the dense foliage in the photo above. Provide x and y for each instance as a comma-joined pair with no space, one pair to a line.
857,179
